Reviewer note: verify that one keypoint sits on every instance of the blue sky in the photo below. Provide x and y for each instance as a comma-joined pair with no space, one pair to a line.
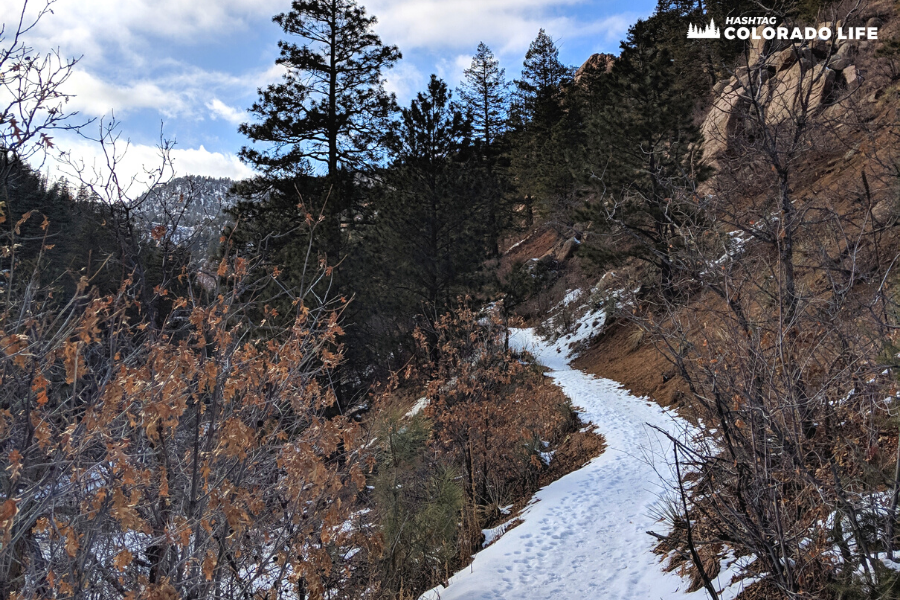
193,66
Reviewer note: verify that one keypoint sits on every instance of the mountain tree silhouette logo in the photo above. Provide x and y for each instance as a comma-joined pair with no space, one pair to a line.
711,32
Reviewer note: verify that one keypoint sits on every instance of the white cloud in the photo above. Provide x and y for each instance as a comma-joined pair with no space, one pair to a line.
404,80
510,25
270,75
184,92
90,26
223,111
200,161
612,28
134,161
451,71
95,97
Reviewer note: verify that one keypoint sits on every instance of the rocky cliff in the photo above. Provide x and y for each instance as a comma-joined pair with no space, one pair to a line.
778,81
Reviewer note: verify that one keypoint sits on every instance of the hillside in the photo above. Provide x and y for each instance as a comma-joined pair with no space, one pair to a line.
627,330
821,193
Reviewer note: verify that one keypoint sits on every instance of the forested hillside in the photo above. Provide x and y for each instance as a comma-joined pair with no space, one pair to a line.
301,385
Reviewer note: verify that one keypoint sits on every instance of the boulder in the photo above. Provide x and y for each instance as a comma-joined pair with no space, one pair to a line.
847,51
784,60
840,57
851,76
874,22
885,211
792,87
755,51
568,249
720,122
839,64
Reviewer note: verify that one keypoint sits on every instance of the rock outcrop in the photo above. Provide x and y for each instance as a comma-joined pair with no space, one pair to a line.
802,85
783,80
597,63
719,125
568,249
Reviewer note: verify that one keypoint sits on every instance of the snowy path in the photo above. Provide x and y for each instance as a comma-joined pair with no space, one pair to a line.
584,536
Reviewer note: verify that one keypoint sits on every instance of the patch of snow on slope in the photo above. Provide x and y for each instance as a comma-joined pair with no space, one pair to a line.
493,534
569,345
418,407
584,535
571,296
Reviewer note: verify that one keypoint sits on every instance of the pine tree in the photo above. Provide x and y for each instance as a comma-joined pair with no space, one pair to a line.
51,237
432,226
485,94
644,158
543,128
331,105
543,76
330,109
431,130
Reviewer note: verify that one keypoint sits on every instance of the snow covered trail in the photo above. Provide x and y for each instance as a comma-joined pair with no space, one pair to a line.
584,536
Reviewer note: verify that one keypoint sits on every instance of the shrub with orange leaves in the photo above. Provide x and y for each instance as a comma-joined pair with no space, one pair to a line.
190,455
446,471
476,389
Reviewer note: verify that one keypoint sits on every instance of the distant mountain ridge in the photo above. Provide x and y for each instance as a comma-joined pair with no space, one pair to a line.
189,211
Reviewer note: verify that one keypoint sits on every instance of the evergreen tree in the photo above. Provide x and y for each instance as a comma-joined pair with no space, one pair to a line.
330,109
539,92
545,129
430,131
485,94
331,105
49,236
644,158
432,228
435,216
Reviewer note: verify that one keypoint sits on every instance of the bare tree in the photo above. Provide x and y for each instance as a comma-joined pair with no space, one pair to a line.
32,102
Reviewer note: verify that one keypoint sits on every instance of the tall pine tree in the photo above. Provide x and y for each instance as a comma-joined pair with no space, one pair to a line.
433,209
543,129
485,94
331,105
330,109
539,91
